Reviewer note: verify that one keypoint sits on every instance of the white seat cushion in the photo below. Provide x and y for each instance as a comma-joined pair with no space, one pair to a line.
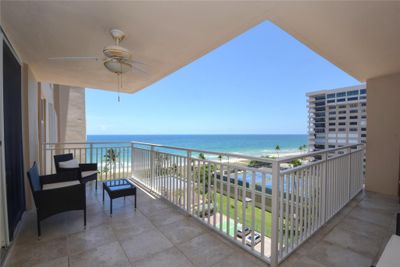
69,164
59,185
88,173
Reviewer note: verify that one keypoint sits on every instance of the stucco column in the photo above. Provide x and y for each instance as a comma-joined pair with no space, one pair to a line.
383,134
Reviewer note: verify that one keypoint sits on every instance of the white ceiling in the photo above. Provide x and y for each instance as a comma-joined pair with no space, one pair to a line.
362,38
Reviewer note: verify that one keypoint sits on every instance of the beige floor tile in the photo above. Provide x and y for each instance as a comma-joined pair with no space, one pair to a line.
371,230
354,241
59,262
335,256
152,207
372,216
103,256
166,216
239,258
39,251
90,238
303,261
144,245
126,230
182,230
205,250
171,257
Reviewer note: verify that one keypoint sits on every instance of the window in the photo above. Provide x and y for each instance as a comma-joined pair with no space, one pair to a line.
363,97
319,104
363,135
363,91
342,112
341,123
342,106
321,97
332,146
331,101
341,94
341,100
332,112
342,118
363,117
354,92
363,129
353,123
332,124
353,111
320,109
353,129
353,105
363,104
352,98
330,96
342,129
332,129
332,118
353,117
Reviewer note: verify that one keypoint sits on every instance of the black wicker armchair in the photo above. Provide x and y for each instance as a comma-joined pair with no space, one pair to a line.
54,194
85,172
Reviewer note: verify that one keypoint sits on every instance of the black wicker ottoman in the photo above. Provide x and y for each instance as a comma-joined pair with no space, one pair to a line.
118,188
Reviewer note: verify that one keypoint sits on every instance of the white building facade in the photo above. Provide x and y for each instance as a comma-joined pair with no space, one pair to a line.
337,117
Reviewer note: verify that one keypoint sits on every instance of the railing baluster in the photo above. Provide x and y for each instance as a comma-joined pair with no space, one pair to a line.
303,198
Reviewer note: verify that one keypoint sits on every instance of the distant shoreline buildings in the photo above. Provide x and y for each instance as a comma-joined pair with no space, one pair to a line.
337,117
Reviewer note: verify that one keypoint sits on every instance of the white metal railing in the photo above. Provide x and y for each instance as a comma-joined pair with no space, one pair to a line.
282,204
112,158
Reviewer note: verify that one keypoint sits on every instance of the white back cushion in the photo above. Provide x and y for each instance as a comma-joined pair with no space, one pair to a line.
59,185
69,164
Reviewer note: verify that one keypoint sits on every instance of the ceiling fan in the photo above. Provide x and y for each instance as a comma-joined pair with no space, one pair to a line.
117,59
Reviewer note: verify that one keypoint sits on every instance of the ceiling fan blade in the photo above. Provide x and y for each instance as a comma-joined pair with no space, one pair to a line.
73,58
137,62
137,69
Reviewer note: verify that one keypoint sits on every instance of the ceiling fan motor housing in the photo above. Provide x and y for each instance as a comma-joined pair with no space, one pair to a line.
116,51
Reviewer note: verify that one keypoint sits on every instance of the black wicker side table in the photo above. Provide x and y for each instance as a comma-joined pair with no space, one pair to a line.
118,188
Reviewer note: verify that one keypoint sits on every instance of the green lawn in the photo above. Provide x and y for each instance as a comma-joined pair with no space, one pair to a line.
257,213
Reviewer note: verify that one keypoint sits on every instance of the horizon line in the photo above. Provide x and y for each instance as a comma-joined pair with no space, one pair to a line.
209,134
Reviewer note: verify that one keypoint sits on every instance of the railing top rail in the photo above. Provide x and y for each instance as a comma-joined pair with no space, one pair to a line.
88,143
315,153
224,154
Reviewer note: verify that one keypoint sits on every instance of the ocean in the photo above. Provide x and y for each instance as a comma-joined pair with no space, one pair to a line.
252,145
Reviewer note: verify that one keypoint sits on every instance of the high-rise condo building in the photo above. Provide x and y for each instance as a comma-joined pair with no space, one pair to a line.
337,117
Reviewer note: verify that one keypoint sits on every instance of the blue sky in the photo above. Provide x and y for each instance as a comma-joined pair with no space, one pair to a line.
254,84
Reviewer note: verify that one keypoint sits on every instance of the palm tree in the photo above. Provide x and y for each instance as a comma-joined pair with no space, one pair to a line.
201,156
111,158
277,149
220,157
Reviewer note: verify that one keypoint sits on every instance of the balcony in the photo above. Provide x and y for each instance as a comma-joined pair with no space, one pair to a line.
190,209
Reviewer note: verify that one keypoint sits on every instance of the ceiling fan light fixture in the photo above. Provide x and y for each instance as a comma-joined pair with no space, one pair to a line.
117,66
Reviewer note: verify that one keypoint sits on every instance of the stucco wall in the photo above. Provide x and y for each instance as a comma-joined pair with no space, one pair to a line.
29,126
70,107
383,134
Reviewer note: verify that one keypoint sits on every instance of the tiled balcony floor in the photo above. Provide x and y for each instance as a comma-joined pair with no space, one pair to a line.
157,234
355,237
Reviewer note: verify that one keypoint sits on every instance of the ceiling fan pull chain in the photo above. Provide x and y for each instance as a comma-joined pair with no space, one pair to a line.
118,85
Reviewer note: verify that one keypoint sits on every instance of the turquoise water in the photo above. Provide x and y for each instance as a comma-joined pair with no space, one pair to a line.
253,145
